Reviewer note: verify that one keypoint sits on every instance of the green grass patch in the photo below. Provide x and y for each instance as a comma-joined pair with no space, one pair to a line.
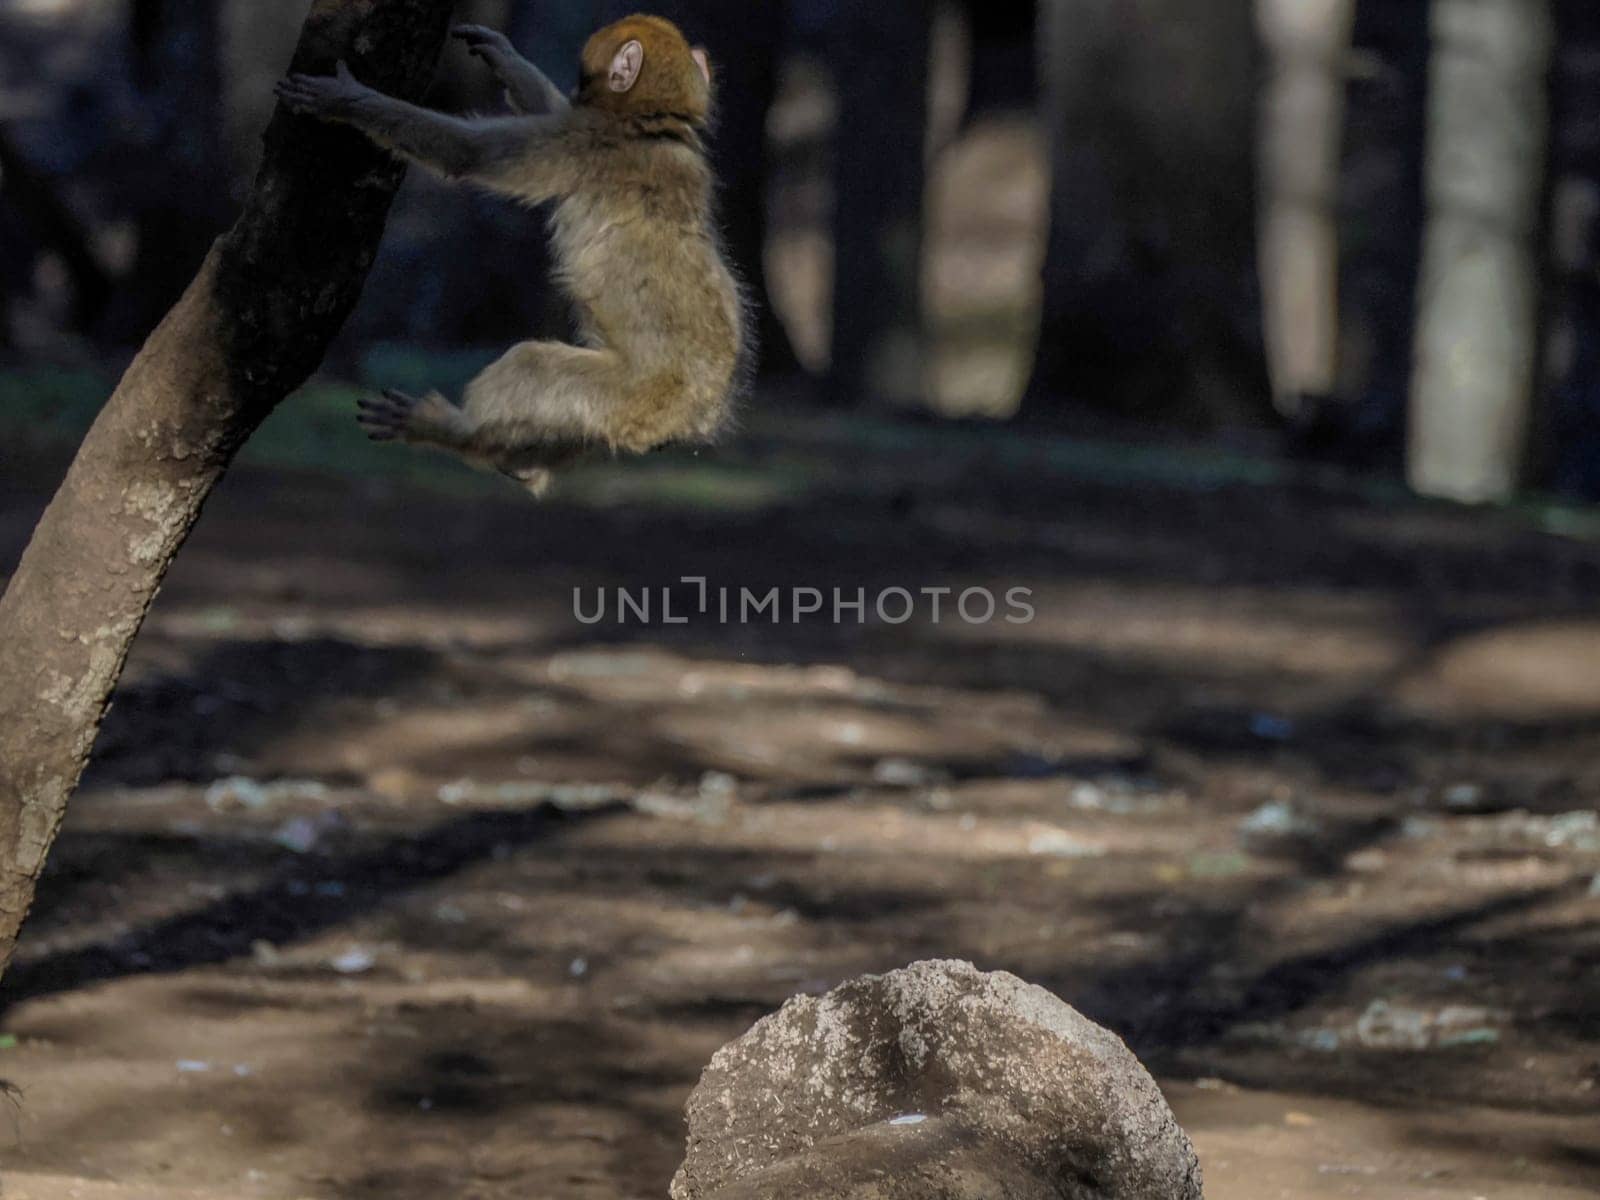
784,457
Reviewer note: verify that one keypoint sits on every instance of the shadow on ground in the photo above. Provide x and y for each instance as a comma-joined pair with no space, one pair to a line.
392,875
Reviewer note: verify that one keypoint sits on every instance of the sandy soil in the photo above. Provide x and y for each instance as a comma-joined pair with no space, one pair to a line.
393,878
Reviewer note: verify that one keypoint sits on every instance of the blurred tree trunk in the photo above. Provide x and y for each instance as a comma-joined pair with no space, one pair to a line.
54,226
1151,307
550,34
487,263
1570,457
251,327
1302,122
1478,309
1005,75
745,41
1092,327
881,53
180,198
1380,234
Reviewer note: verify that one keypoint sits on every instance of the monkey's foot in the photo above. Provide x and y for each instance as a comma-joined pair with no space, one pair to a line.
397,417
386,417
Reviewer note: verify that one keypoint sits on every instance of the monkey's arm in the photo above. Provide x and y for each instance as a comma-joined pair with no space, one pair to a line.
528,88
522,156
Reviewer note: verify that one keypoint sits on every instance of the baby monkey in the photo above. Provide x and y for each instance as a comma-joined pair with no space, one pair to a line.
662,324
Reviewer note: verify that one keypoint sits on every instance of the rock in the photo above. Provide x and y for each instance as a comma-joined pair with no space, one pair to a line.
1386,1026
355,961
1023,1099
1280,823
903,772
1058,843
236,792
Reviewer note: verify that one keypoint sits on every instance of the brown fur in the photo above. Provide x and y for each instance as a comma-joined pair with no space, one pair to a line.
670,83
662,322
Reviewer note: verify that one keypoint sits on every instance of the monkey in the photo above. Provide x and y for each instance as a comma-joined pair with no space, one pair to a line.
664,341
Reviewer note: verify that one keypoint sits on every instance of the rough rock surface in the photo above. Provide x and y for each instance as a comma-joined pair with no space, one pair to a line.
937,1081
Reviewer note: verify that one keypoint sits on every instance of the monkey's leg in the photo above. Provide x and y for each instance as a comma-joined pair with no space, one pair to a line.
434,421
549,400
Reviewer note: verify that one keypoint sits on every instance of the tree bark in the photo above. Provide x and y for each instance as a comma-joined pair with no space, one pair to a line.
55,226
881,62
1302,122
1569,440
1380,234
745,41
1150,307
252,326
1005,60
1477,323
489,262
178,181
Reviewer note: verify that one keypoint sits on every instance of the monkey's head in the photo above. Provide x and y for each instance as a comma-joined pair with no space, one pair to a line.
644,66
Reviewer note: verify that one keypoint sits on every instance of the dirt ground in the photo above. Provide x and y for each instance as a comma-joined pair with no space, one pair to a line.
394,878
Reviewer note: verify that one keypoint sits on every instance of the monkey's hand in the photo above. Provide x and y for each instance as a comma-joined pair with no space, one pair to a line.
483,42
329,97
526,86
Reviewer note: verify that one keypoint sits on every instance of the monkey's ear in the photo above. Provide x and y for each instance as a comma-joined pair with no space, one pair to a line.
703,61
625,66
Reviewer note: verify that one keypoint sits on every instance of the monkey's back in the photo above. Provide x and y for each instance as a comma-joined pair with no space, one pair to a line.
638,253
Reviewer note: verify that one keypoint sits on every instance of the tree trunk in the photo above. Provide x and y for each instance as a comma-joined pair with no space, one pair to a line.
1477,335
179,188
489,262
881,60
1302,121
1380,234
54,225
1005,65
252,326
1150,284
745,41
1570,440
551,34
1090,330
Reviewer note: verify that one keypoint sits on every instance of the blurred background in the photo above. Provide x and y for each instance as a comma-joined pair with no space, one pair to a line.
1195,319
1241,221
